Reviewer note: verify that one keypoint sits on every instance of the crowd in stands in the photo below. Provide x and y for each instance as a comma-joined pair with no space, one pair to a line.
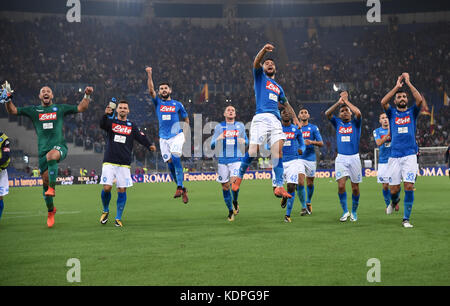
112,58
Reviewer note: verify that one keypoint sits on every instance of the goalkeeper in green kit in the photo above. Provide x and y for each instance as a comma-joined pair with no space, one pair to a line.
48,121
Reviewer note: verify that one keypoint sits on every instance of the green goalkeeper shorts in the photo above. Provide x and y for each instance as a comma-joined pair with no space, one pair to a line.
43,166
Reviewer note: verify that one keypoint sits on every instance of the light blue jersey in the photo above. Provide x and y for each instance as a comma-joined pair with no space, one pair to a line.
385,148
403,131
169,113
347,135
267,93
310,132
293,143
231,132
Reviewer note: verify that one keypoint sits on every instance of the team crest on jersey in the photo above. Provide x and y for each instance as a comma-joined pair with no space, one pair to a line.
345,130
230,133
402,121
272,87
121,129
306,134
129,123
55,109
290,135
47,116
167,109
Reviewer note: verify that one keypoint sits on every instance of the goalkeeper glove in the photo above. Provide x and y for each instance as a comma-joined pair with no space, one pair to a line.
6,92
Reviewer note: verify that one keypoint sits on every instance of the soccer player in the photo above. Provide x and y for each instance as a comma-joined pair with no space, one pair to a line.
312,137
402,163
4,162
383,140
48,121
171,136
266,123
230,140
348,162
120,136
293,168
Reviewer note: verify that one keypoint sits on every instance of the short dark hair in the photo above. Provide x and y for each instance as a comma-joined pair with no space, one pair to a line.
123,102
303,108
268,59
344,105
401,90
164,83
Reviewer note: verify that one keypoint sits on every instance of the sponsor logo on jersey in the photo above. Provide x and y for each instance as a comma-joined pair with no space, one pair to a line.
47,116
306,134
121,129
290,135
345,130
402,121
230,133
167,109
272,87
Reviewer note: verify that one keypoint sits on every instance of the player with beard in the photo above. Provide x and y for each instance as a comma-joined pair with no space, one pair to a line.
48,121
312,137
171,136
229,140
348,162
402,163
266,124
120,136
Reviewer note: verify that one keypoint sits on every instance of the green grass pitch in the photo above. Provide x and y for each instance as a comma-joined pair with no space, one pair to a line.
164,242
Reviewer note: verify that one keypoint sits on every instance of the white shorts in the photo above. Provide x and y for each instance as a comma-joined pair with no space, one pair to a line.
348,165
291,171
266,127
4,183
383,173
171,146
402,168
225,171
310,167
120,174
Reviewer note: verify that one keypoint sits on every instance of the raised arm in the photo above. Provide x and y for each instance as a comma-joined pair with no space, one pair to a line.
6,97
353,108
84,104
260,55
151,86
329,112
416,94
388,97
291,111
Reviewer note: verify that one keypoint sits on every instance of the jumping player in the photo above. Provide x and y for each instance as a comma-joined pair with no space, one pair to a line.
266,125
312,137
348,162
230,140
48,121
293,167
171,136
402,163
120,136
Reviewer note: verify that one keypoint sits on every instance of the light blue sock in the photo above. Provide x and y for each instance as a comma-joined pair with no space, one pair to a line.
310,192
246,161
172,171
227,198
387,197
121,201
355,203
301,195
1,207
178,170
106,197
279,170
290,204
343,201
408,204
235,195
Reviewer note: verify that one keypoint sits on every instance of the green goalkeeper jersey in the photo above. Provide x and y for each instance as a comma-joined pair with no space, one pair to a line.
48,122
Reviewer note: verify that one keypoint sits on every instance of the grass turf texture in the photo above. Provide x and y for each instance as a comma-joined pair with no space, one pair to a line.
164,242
